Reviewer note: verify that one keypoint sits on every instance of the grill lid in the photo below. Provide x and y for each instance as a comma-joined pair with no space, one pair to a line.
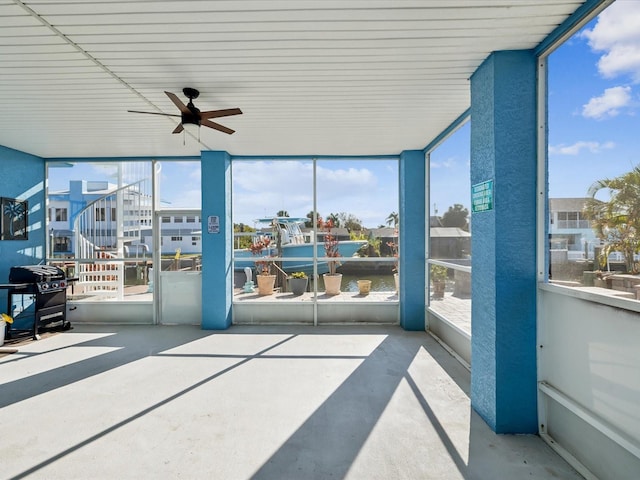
35,274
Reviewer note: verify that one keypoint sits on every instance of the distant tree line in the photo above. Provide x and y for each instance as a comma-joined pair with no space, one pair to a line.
456,216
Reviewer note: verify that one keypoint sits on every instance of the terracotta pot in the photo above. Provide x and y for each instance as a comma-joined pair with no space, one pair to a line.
265,284
438,288
332,283
364,287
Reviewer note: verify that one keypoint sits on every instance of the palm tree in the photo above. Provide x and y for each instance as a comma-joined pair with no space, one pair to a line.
617,221
309,223
392,219
335,219
456,216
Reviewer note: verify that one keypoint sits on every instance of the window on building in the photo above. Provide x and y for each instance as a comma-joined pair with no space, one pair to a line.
176,239
178,219
101,214
113,214
61,214
61,244
191,219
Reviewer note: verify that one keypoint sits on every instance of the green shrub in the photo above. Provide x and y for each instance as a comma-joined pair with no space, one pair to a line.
438,272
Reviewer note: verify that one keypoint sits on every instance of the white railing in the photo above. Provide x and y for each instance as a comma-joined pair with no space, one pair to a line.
449,312
102,231
575,224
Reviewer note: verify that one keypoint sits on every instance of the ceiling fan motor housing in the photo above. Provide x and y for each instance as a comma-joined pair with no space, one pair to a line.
193,116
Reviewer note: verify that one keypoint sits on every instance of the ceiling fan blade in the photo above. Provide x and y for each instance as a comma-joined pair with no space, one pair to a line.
178,129
155,113
178,103
216,126
220,113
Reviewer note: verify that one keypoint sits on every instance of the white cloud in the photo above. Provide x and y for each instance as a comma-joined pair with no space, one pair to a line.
617,35
189,198
262,188
446,163
608,104
345,182
576,148
180,184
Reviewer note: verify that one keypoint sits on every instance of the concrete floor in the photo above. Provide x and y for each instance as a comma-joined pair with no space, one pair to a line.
120,402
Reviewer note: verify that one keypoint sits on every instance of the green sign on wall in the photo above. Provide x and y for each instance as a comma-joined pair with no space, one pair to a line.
482,196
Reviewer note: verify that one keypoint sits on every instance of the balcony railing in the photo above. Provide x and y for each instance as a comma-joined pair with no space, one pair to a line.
573,224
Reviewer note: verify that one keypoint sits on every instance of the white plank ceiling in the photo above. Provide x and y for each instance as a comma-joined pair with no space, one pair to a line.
312,77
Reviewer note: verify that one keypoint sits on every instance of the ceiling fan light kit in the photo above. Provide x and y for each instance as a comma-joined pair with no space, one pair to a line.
191,115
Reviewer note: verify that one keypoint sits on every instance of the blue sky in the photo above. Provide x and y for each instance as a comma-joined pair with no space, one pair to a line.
594,102
594,133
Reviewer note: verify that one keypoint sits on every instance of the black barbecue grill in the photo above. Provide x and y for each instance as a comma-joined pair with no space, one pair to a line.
37,293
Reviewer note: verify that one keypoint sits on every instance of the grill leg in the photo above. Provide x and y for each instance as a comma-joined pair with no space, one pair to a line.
36,322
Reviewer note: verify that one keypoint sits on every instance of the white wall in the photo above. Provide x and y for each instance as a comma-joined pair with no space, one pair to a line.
589,378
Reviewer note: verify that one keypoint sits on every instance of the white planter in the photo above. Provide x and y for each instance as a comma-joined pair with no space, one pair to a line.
332,283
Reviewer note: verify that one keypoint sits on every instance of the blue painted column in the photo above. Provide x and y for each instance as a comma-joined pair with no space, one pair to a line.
217,270
412,239
503,149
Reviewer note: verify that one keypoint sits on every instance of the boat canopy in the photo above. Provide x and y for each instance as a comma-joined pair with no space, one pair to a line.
271,220
286,228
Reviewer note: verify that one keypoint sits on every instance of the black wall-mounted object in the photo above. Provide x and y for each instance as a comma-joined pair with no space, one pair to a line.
13,219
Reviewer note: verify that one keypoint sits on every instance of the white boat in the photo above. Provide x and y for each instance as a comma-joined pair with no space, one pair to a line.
286,240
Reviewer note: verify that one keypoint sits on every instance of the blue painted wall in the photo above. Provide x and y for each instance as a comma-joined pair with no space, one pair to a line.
412,239
503,148
23,177
217,268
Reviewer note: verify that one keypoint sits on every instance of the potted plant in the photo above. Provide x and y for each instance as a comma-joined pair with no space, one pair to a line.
364,287
298,283
5,321
266,280
603,279
438,278
333,279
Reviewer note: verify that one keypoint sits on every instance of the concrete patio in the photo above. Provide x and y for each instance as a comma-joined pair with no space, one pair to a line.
365,402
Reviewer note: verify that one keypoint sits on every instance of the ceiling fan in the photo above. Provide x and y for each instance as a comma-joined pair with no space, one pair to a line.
191,115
